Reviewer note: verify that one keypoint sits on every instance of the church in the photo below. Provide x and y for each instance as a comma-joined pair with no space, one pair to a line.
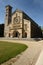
19,24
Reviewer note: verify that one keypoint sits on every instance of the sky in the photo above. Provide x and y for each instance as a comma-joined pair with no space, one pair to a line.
33,8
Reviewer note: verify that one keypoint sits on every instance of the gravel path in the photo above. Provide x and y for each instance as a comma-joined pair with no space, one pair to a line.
30,55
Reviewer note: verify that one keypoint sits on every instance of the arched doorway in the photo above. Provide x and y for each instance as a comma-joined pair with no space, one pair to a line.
16,34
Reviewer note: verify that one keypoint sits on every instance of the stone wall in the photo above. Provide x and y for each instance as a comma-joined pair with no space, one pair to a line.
20,23
35,30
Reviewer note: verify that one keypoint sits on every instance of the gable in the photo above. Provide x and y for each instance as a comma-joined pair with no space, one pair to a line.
16,14
22,14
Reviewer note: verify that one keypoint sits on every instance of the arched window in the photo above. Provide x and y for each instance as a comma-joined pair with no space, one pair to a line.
25,27
25,34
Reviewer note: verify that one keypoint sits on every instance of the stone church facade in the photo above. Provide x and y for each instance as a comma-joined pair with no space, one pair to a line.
20,25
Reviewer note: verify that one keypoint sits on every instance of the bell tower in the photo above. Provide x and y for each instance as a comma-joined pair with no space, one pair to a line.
8,14
8,17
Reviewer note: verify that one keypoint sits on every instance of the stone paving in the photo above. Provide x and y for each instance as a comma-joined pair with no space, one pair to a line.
30,55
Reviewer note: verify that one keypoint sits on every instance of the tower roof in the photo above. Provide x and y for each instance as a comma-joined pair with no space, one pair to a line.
8,6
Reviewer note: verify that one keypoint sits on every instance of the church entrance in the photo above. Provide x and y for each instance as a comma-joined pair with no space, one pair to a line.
16,34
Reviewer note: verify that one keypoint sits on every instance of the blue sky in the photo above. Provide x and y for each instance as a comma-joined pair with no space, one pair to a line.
33,8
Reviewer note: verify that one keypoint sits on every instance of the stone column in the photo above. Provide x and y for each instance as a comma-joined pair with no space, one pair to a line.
29,30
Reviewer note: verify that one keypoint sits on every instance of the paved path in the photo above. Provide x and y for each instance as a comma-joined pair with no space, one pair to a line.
40,59
30,55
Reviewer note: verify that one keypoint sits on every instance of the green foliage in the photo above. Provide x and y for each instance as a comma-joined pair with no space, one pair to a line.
9,50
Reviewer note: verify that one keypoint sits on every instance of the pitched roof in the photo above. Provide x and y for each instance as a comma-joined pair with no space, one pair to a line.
29,18
8,6
17,10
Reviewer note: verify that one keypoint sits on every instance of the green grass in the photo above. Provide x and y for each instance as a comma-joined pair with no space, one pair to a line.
9,50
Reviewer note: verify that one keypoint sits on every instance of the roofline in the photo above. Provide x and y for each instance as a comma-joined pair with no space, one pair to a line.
17,11
31,19
27,15
8,6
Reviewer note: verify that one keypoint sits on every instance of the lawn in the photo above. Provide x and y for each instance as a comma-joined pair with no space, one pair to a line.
9,50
